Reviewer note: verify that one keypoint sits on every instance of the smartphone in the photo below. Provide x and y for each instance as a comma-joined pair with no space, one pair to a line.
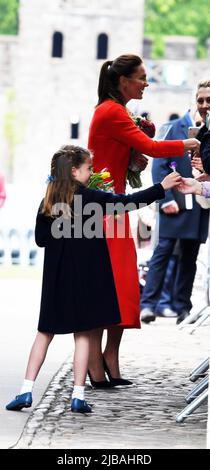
207,120
193,131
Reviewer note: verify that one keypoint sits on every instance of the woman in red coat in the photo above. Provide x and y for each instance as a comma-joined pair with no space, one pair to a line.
112,134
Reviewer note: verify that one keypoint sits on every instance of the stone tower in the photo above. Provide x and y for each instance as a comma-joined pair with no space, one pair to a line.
62,45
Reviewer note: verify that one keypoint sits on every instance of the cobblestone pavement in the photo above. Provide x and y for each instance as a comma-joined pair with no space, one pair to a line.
159,359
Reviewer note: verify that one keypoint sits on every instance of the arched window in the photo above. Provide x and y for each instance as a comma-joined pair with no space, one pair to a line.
57,44
74,130
102,46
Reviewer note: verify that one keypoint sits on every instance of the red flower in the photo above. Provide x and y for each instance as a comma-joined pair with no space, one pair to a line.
138,161
145,125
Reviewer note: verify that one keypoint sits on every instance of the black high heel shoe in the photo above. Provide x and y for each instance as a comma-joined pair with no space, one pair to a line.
99,384
115,381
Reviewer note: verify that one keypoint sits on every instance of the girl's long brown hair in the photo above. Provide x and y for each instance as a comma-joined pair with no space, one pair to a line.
62,185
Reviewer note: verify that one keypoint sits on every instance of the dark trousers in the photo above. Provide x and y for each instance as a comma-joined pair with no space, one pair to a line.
184,277
166,296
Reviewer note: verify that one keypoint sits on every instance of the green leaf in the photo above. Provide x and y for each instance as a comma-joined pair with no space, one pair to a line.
9,16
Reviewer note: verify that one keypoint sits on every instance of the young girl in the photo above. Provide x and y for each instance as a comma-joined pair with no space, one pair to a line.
78,290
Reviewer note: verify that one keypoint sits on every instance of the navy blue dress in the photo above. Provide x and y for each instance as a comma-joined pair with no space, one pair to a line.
78,290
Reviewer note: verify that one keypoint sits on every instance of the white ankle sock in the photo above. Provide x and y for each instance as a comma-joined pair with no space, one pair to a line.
78,392
27,386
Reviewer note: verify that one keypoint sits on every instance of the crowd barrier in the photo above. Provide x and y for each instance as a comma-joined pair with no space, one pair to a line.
200,393
18,247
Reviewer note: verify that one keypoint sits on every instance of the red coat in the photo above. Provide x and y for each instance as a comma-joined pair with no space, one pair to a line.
112,134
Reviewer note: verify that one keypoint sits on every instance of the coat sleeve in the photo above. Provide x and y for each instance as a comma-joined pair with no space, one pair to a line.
42,228
205,152
127,202
123,129
160,169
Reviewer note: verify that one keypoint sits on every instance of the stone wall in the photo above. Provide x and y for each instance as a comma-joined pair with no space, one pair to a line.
53,91
173,79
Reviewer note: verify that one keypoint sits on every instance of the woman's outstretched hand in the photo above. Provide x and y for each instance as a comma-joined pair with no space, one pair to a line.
189,186
191,144
171,180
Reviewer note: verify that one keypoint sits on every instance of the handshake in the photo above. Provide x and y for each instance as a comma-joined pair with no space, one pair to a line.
184,185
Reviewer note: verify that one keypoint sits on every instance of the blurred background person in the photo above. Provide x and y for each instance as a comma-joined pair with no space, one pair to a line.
180,219
2,190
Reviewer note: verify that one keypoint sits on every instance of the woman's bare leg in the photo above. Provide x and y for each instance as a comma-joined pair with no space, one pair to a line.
38,354
111,352
95,357
81,357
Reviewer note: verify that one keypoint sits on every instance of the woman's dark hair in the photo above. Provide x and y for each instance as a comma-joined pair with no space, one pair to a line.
110,73
62,185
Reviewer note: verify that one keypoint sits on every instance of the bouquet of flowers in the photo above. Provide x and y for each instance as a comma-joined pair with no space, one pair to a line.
138,161
99,181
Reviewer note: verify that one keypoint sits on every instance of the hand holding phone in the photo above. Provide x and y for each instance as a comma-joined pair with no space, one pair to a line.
192,133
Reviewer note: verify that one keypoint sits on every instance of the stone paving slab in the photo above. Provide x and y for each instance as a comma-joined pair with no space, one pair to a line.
159,359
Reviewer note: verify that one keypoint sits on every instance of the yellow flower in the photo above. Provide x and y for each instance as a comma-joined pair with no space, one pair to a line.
99,181
105,175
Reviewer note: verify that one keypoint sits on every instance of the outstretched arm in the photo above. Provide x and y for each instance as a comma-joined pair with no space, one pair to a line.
147,196
122,128
192,186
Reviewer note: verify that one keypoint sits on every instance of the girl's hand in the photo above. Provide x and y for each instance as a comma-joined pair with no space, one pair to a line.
189,186
171,180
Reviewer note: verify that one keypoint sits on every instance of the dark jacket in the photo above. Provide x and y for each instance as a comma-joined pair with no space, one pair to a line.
188,223
205,151
78,290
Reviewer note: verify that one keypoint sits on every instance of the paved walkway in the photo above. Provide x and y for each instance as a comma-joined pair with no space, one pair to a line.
159,359
20,298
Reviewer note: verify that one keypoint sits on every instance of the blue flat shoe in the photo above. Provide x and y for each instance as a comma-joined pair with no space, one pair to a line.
80,406
20,401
